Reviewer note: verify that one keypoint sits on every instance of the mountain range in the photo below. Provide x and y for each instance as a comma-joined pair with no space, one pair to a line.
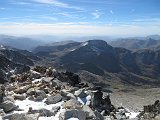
99,58
14,60
149,42
130,61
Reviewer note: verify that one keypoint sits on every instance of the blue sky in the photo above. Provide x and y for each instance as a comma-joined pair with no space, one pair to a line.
80,17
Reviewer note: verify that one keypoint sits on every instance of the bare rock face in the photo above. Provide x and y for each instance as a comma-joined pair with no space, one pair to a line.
73,113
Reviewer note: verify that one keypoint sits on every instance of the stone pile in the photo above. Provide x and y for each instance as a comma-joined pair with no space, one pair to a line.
45,94
150,112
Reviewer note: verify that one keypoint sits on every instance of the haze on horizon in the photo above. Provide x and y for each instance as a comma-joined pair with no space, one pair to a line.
83,17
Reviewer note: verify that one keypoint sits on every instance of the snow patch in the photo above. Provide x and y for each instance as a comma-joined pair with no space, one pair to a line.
2,47
24,105
37,80
132,114
73,119
73,50
84,44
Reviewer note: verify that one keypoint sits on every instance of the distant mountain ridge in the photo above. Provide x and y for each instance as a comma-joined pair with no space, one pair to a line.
148,42
23,43
14,59
98,57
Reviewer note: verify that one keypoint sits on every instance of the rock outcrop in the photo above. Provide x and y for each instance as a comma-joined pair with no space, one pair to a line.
59,96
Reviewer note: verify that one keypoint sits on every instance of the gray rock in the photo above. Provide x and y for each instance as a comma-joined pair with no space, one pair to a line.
98,116
97,99
70,96
20,96
65,92
39,98
81,115
47,113
35,74
17,116
41,93
30,91
47,79
56,82
89,112
53,99
8,106
72,104
32,98
80,93
2,113
22,90
56,109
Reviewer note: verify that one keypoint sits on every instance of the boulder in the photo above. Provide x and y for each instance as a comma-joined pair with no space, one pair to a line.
17,116
89,112
8,106
53,99
56,82
47,79
31,91
40,93
69,77
72,104
34,74
56,109
20,96
38,98
47,113
22,89
70,96
81,115
97,99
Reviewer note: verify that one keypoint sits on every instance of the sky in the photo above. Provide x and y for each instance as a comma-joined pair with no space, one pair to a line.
80,17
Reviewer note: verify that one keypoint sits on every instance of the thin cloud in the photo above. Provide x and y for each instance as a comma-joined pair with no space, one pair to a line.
56,3
76,29
96,14
2,8
111,12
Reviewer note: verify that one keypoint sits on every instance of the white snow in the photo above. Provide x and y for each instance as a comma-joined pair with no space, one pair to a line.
73,50
2,47
84,44
132,114
73,119
25,104
37,80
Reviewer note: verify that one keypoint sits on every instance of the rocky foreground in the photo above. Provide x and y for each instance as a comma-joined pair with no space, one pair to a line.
45,94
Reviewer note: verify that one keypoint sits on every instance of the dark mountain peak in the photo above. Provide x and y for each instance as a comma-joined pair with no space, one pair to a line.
97,43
